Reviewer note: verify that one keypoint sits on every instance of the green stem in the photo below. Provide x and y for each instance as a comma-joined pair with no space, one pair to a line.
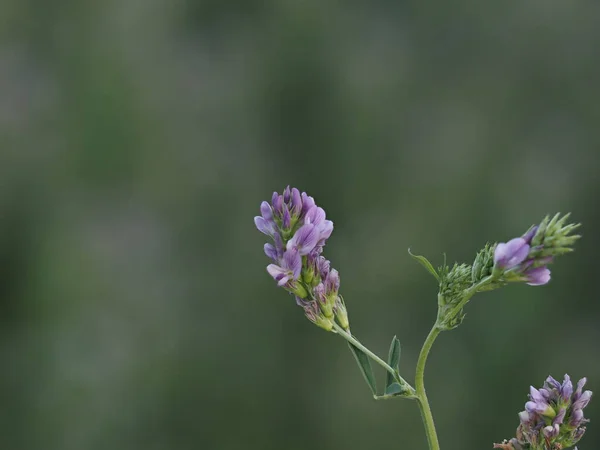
339,330
426,415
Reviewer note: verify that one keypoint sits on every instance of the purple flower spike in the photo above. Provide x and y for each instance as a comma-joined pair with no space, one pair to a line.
299,230
511,254
553,418
537,276
304,239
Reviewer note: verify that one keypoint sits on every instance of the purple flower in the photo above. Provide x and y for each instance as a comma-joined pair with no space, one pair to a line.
289,268
511,254
526,258
313,313
332,283
296,202
583,400
537,276
304,239
307,203
265,222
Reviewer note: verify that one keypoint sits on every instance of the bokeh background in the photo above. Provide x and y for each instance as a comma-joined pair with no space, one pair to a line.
138,139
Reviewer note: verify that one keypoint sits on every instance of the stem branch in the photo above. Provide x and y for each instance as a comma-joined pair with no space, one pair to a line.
339,330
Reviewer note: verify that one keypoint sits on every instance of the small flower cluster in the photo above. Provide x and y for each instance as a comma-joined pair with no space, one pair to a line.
553,417
526,258
299,231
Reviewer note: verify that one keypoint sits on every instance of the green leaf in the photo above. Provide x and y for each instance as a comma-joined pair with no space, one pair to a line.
393,361
425,263
364,363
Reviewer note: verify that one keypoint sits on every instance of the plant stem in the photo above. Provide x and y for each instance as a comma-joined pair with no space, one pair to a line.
426,415
339,330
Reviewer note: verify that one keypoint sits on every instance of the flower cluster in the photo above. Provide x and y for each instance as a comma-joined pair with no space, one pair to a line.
299,231
553,417
526,258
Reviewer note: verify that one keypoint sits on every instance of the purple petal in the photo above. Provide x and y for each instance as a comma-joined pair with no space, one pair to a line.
576,418
315,216
275,271
527,237
307,202
293,261
524,417
305,239
283,280
332,282
287,218
538,407
583,400
535,395
511,254
551,431
567,388
296,202
537,276
560,416
323,266
266,212
286,195
278,245
264,226
320,292
277,202
553,382
326,229
271,252
546,393
580,385
531,407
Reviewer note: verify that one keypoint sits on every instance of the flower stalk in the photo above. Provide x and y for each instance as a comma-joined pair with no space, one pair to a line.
553,417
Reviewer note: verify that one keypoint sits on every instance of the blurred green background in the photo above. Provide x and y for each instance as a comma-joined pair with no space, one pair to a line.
138,139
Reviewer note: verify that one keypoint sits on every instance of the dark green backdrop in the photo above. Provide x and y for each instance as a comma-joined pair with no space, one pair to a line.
137,139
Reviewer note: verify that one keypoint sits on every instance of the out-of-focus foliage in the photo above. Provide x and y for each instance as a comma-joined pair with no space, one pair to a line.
137,141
